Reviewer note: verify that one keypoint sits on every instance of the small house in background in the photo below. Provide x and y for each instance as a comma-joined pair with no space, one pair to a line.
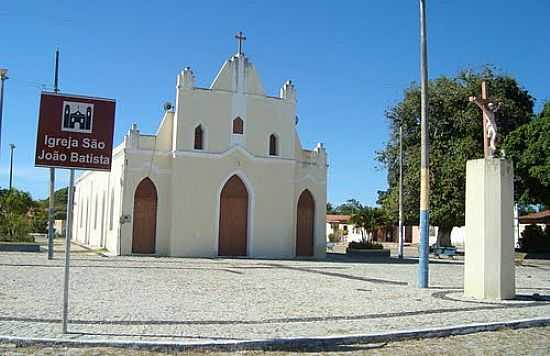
457,235
340,229
59,227
541,218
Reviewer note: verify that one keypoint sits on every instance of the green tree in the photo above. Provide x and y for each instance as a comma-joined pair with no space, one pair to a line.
529,148
350,207
456,135
15,208
60,203
39,221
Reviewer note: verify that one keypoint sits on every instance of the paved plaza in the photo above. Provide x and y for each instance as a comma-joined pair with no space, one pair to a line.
189,299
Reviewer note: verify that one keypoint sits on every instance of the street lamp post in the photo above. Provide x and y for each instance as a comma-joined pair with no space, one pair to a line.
3,77
401,236
12,147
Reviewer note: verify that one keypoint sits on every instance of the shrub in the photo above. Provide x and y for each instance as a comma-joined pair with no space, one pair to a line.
16,228
39,221
15,224
533,239
365,245
333,237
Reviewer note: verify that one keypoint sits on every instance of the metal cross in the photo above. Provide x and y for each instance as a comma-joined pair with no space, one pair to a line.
240,36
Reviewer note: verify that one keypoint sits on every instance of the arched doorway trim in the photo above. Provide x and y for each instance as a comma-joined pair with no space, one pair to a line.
251,208
146,225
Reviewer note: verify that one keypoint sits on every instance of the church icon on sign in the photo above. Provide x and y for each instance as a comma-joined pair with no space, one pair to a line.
77,117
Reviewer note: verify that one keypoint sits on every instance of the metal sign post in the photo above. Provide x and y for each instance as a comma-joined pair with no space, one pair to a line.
74,132
68,237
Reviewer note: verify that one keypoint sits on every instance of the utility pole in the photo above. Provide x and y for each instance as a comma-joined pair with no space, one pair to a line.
423,252
12,147
3,77
51,206
401,237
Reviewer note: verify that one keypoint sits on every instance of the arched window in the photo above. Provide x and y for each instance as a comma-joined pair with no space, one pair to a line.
273,149
238,126
199,138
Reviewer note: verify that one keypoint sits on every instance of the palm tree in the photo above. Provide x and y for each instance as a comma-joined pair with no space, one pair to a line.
368,219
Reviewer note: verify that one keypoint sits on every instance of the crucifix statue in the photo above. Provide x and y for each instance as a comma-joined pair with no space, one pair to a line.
241,38
489,109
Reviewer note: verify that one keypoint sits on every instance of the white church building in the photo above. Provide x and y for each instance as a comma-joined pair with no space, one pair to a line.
224,175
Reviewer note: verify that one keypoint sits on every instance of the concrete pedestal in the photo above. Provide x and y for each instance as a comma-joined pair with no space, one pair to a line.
489,271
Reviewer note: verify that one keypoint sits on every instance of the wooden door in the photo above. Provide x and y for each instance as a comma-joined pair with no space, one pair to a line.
145,218
304,224
233,218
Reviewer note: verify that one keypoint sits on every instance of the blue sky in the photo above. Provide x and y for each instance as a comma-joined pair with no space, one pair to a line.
350,61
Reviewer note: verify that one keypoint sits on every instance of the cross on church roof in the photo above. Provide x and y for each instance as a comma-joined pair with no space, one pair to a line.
241,38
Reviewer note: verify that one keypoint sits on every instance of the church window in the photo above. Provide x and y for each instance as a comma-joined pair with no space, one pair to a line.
238,126
199,138
273,147
111,217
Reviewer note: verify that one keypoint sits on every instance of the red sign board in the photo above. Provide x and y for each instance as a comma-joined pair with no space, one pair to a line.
75,132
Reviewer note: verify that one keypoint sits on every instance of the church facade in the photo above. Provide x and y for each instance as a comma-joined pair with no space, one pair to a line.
224,175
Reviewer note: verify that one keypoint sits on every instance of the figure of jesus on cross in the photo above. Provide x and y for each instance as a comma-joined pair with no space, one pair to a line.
489,123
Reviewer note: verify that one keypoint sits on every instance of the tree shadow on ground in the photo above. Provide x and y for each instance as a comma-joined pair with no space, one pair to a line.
328,347
342,258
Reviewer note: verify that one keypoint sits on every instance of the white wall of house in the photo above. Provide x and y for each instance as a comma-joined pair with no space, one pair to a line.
353,233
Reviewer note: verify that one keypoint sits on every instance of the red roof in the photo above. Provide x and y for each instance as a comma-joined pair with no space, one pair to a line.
341,219
542,217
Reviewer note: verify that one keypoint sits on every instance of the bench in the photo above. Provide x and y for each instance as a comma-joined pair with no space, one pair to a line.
448,251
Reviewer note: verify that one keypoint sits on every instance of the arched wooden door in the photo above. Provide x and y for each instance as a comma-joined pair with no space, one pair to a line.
304,224
145,218
233,218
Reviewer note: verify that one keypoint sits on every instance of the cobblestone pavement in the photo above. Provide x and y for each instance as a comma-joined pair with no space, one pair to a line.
185,299
533,341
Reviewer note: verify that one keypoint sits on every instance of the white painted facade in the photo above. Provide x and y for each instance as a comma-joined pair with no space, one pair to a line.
189,181
347,232
341,228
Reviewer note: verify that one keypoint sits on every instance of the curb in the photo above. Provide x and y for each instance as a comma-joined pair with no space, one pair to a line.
282,343
88,248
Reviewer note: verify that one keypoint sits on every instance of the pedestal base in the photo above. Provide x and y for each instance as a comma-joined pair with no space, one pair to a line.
489,271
